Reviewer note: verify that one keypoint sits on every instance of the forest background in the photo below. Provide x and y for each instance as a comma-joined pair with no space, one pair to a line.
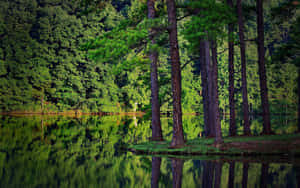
44,66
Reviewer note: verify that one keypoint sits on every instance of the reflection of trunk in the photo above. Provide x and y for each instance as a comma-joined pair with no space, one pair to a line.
264,175
262,69
231,174
208,174
297,168
156,161
177,138
153,56
215,95
218,173
232,124
42,124
205,95
177,165
243,69
245,175
42,104
299,100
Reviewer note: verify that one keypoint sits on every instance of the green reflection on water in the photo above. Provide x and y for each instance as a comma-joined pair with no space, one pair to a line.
57,151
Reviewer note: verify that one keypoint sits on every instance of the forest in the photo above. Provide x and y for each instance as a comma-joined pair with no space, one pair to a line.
234,57
127,93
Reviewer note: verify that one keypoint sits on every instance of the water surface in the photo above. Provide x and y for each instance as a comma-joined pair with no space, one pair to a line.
87,151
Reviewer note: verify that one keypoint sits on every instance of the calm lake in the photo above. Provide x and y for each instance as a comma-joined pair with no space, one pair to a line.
88,151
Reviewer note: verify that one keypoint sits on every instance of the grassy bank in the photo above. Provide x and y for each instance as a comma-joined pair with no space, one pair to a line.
243,146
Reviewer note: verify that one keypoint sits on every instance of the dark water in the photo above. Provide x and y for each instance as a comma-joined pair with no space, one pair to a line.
47,151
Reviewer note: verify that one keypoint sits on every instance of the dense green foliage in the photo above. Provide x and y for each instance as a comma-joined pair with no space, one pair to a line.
44,65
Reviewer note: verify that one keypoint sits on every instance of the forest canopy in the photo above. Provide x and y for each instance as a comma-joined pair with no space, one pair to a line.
59,55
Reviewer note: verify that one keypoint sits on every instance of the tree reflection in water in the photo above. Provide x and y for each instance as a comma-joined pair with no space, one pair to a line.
264,175
208,174
231,174
156,161
218,174
60,150
177,165
245,174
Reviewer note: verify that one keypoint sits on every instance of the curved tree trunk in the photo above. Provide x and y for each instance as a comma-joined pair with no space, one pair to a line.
262,69
243,64
153,56
178,138
232,123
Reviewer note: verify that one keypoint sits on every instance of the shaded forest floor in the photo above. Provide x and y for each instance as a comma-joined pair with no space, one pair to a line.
282,145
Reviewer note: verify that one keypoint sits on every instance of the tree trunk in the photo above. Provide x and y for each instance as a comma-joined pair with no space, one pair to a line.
215,96
156,161
209,70
262,69
247,130
178,138
204,85
298,99
232,124
245,175
153,56
231,174
177,165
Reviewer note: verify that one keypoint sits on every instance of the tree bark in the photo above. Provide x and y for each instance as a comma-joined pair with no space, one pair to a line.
204,85
177,165
232,122
262,69
178,138
153,56
247,130
156,162
215,96
298,99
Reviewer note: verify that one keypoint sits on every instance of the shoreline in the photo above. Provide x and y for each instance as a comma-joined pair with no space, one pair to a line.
287,145
73,113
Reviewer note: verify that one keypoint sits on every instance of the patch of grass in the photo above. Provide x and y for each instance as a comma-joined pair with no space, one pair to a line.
204,146
283,137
